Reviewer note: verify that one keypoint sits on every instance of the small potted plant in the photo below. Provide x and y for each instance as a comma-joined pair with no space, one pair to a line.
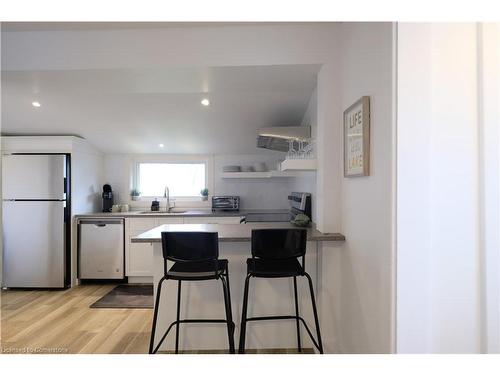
204,194
135,194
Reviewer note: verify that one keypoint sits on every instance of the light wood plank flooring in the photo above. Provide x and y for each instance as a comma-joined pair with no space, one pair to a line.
62,322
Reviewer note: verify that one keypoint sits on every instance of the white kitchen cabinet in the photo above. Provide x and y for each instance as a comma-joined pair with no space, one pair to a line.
139,256
170,220
142,223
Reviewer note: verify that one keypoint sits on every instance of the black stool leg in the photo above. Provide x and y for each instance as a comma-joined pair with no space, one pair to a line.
229,298
229,293
297,312
155,316
243,329
229,318
178,317
316,320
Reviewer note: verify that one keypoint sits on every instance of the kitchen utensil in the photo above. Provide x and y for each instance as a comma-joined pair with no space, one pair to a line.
155,205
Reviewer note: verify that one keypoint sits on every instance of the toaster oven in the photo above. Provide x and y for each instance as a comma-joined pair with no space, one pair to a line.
225,203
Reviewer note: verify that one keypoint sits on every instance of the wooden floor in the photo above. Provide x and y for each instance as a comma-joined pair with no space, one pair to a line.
62,322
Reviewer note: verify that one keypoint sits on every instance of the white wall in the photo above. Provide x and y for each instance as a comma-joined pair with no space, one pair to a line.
87,174
329,146
269,193
413,190
255,193
306,182
367,208
489,143
447,298
357,279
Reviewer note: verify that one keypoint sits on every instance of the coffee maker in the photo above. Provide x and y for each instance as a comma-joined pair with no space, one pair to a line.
107,198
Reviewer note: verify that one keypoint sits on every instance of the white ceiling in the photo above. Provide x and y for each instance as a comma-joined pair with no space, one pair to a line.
133,110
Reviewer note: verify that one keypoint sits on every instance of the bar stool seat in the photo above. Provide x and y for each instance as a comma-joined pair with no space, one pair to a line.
197,270
270,268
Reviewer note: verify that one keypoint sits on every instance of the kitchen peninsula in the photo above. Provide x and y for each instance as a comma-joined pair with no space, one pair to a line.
205,300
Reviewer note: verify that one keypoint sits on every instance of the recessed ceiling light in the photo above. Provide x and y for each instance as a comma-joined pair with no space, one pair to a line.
161,145
205,102
36,104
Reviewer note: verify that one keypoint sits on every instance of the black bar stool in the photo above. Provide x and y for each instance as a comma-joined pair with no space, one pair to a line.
196,258
275,253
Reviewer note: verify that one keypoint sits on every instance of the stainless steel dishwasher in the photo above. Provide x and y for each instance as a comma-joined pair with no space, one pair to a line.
101,248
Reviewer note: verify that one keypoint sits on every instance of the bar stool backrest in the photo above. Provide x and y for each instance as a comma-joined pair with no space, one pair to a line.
190,246
277,244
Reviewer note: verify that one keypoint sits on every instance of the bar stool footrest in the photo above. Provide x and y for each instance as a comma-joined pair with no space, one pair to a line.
189,321
286,317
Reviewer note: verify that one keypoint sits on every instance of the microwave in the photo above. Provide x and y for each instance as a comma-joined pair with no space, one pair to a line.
226,203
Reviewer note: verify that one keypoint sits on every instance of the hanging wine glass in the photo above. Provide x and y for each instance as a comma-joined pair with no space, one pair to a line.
291,150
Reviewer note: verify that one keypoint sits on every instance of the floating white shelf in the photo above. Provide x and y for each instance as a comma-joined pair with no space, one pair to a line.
299,165
268,174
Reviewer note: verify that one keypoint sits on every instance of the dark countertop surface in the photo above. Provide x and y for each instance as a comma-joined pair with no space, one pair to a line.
232,232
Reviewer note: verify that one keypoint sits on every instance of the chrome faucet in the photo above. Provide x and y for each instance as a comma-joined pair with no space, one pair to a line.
166,194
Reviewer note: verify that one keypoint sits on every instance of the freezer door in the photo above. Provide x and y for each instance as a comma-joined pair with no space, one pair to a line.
34,244
33,176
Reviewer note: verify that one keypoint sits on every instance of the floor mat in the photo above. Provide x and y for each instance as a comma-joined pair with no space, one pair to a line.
127,296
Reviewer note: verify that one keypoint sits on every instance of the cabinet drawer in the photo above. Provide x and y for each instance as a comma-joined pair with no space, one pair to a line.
143,224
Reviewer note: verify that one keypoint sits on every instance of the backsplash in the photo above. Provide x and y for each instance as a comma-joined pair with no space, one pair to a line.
257,193
262,193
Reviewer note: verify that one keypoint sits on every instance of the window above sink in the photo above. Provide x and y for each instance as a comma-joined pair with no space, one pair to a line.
184,176
182,179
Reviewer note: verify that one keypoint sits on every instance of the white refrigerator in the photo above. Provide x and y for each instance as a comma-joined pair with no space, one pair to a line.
36,220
